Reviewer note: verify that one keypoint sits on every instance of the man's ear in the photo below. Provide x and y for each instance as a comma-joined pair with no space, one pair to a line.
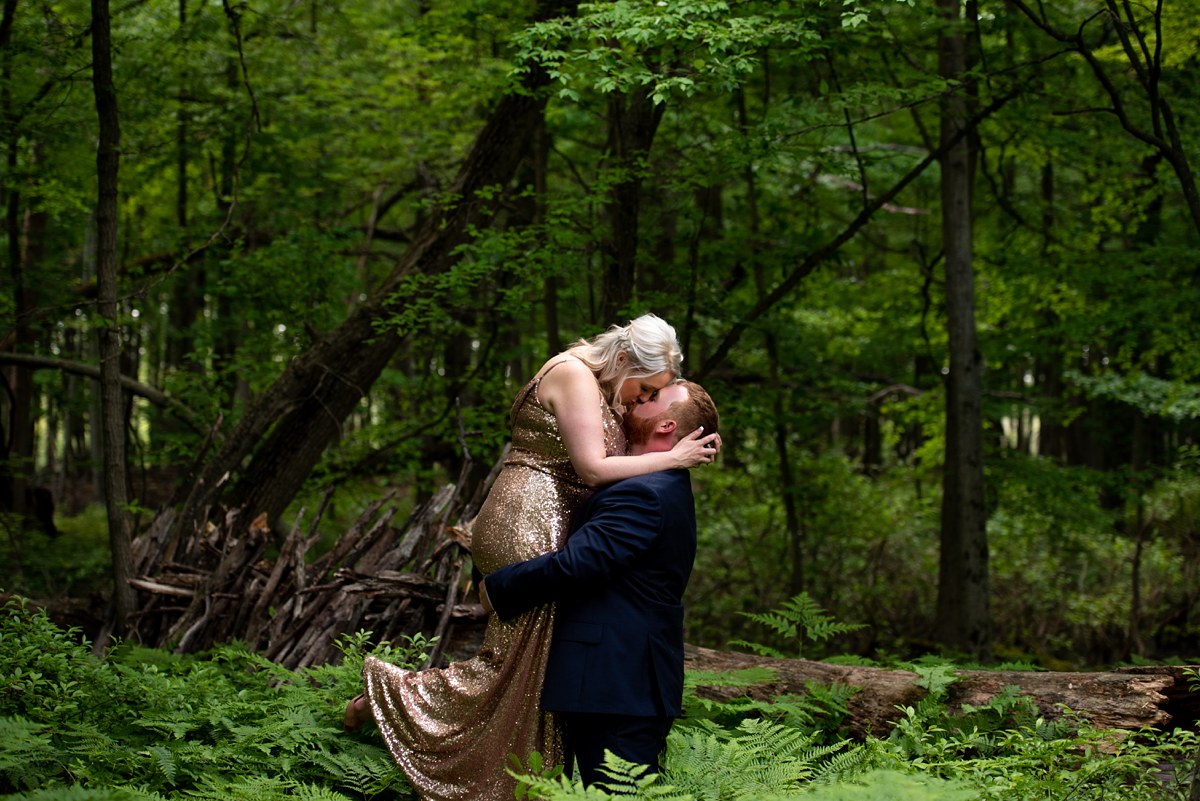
666,427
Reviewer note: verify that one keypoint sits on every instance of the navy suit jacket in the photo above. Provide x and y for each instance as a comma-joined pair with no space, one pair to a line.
618,585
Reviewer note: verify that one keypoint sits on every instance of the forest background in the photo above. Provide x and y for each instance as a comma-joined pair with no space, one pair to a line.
937,263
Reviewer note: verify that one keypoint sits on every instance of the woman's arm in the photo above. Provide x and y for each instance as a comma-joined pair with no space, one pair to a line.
570,392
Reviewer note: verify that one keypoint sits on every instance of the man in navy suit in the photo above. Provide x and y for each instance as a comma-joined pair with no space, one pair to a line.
615,671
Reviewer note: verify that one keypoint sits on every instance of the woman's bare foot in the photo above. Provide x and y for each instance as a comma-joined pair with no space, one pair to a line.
358,712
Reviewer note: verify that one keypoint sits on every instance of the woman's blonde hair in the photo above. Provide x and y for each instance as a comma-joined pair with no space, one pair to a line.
648,344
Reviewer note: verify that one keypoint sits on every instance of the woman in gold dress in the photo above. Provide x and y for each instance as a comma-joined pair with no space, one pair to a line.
452,729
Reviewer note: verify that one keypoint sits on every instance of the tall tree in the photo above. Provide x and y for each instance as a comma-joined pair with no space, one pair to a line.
963,613
286,428
633,120
17,432
112,400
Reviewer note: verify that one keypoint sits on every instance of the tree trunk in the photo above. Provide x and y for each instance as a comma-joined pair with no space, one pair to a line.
112,400
16,432
963,616
187,296
632,122
817,256
541,171
787,481
1126,699
304,408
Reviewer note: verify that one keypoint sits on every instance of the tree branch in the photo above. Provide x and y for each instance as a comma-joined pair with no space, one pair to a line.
815,258
155,396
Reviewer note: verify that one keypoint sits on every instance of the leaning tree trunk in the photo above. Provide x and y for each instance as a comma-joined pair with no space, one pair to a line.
304,409
112,400
963,616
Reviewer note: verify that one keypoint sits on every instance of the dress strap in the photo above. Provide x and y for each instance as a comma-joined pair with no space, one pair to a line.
529,387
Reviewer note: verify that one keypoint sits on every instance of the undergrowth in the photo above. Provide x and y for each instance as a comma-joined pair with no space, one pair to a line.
146,724
142,724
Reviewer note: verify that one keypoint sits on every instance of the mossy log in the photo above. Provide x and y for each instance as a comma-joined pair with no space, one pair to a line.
1127,698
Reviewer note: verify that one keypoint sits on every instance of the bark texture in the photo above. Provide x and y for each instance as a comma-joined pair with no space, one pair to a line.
112,398
1125,699
963,614
633,121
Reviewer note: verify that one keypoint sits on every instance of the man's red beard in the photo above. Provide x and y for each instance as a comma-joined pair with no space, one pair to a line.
637,429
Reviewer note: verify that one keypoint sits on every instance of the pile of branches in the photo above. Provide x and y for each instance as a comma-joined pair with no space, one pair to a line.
216,583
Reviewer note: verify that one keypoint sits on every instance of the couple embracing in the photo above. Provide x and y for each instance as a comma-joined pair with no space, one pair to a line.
586,542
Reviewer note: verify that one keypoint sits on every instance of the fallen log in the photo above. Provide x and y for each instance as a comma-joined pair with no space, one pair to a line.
1127,698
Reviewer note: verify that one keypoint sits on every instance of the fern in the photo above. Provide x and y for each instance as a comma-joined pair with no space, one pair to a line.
799,619
824,706
27,755
164,761
243,788
76,793
316,792
760,758
364,773
624,779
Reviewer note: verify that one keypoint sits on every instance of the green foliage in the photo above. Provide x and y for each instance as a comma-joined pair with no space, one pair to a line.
260,210
821,708
718,43
221,725
885,785
1152,396
799,619
74,564
752,761
141,724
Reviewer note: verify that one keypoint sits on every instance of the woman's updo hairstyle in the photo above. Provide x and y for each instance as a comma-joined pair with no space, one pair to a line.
648,345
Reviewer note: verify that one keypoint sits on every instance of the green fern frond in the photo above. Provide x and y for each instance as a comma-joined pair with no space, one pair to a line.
28,757
316,792
934,677
176,727
243,788
164,760
757,760
782,622
758,648
798,620
366,774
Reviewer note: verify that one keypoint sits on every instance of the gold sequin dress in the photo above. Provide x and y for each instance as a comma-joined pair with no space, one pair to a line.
451,729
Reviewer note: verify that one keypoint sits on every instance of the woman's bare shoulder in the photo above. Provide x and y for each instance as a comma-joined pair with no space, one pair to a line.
564,367
563,374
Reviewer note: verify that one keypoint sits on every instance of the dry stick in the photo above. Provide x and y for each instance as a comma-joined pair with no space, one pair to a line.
439,634
418,528
367,545
300,571
349,541
186,623
241,578
258,615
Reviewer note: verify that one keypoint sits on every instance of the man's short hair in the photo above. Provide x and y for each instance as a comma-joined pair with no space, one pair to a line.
698,410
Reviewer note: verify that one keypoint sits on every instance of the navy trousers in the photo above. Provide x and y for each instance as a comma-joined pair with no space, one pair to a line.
586,736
